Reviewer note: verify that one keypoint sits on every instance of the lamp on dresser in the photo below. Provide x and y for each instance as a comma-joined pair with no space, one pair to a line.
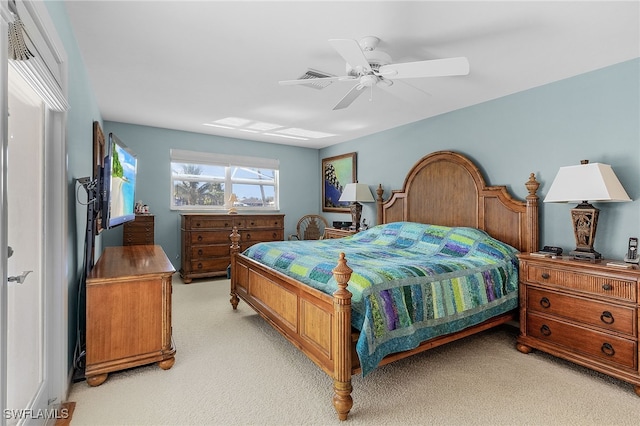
356,193
583,183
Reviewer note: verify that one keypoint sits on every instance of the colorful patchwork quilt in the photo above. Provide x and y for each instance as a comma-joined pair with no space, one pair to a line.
410,281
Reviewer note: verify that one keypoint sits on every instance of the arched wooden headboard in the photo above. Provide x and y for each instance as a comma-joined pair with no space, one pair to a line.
446,188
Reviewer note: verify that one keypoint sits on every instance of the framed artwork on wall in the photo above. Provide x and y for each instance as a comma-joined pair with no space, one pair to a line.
337,172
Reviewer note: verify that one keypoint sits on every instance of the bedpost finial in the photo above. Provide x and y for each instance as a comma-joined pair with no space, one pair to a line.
342,273
532,184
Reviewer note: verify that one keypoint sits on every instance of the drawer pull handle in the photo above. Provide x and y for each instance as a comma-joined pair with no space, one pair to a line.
545,330
607,317
274,236
248,237
199,265
197,224
545,303
226,225
200,252
607,349
545,275
607,286
199,237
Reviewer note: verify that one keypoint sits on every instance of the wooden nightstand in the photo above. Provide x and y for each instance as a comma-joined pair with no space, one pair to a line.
330,233
584,312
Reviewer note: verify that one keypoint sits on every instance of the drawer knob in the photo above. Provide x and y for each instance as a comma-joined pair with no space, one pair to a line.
198,224
607,317
607,286
248,237
274,235
545,303
545,275
199,237
200,252
545,330
607,349
199,265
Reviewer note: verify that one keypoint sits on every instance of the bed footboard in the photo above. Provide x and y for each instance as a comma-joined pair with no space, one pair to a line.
318,324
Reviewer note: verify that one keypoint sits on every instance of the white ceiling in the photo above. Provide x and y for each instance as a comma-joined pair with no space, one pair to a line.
180,64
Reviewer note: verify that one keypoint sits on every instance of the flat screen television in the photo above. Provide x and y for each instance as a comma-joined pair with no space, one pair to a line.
118,184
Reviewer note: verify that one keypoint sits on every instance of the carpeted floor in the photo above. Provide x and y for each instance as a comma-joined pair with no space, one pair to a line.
232,368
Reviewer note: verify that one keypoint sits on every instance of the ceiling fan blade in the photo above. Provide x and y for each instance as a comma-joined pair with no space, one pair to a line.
407,92
311,80
352,53
433,68
349,97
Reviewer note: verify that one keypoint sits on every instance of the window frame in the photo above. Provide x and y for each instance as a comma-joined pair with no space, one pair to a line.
229,162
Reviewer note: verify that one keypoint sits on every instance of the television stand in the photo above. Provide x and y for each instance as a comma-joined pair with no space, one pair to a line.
128,313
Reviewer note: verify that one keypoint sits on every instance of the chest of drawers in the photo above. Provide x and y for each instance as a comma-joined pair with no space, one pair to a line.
205,241
583,312
139,231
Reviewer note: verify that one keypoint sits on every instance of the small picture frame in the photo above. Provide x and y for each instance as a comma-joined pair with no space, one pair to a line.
337,172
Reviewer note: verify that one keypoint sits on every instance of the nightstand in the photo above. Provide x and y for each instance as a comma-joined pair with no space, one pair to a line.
584,312
331,233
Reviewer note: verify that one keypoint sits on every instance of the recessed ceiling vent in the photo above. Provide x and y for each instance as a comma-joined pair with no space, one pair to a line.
312,74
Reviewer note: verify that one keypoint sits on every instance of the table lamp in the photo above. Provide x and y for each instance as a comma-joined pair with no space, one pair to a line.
582,183
356,193
231,202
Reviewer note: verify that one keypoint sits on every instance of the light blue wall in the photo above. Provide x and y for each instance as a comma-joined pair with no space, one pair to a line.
299,176
82,113
594,116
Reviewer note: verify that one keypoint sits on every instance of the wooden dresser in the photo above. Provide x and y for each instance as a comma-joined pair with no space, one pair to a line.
206,243
128,311
330,233
583,312
139,231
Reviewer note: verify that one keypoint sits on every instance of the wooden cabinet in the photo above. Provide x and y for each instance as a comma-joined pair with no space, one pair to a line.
583,312
205,247
128,311
330,233
139,231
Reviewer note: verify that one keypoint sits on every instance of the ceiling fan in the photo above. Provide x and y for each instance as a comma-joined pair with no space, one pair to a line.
368,67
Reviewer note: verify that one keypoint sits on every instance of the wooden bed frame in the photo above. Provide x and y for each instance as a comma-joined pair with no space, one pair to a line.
443,188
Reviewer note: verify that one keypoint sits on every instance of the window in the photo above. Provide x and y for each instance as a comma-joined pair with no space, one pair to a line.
205,181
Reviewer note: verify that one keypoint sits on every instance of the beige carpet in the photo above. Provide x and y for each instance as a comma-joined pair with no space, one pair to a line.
232,368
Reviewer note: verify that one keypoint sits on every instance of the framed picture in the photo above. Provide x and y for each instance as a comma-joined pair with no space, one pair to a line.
337,172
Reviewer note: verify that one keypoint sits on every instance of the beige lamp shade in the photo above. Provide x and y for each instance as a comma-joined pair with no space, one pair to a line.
359,192
593,182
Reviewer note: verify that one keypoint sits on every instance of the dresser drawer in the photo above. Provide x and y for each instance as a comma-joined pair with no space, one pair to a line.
263,222
210,265
608,316
590,283
146,219
218,223
135,238
213,250
209,237
257,236
602,346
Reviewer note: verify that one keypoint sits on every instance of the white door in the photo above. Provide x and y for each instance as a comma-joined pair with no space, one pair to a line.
26,292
